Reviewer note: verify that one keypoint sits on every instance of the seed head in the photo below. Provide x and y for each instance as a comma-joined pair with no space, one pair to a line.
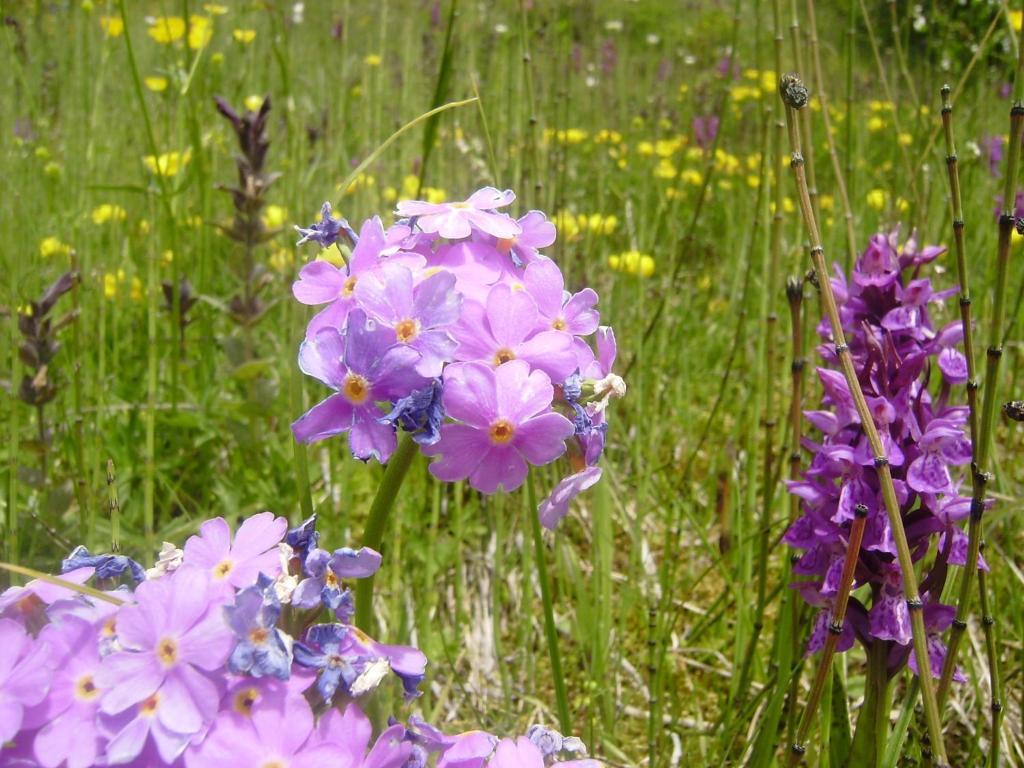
1014,410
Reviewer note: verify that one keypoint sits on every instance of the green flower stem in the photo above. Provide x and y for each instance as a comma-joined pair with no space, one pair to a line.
550,634
791,89
376,524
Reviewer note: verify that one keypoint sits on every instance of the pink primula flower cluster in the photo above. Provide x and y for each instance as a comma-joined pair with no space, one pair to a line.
454,326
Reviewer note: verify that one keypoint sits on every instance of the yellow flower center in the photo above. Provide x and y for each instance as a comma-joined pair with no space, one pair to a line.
273,764
331,580
222,569
167,651
505,244
244,701
85,688
503,355
356,389
407,330
148,707
501,432
349,286
558,324
460,205
109,627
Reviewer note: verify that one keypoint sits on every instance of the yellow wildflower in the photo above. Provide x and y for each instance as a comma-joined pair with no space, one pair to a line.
110,285
632,263
156,83
905,139
567,226
881,106
144,226
753,181
331,256
372,60
666,147
827,202
389,194
769,81
52,246
167,29
902,205
434,195
102,214
167,258
602,225
691,176
167,164
136,290
607,136
876,124
274,217
282,259
244,36
876,199
645,148
361,181
665,169
112,26
215,10
1017,19
200,31
253,102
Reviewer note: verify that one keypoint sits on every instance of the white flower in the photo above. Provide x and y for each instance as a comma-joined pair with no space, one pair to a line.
168,560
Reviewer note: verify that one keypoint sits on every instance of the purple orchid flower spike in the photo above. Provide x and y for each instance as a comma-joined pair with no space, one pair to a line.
418,313
560,311
456,221
364,367
705,129
937,619
506,422
509,327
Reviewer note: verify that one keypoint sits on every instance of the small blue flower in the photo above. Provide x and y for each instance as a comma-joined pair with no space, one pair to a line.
303,538
107,566
326,231
263,650
420,413
325,571
327,648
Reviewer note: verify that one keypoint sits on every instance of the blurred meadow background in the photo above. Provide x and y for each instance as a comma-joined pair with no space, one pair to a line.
647,131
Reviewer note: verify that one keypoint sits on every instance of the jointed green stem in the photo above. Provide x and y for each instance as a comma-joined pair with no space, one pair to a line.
795,97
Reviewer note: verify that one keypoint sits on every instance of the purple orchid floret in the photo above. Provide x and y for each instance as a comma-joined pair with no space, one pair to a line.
458,220
364,366
505,423
106,566
325,571
886,312
303,539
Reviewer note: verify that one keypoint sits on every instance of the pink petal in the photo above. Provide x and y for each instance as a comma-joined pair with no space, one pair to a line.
461,449
319,282
469,393
330,417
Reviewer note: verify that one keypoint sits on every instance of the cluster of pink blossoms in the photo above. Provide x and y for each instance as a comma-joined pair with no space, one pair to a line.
235,651
452,325
886,311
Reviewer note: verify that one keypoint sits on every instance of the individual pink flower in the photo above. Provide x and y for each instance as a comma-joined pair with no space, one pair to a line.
25,676
509,327
556,505
172,636
418,313
279,733
70,736
537,232
457,220
560,311
252,552
506,422
364,367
